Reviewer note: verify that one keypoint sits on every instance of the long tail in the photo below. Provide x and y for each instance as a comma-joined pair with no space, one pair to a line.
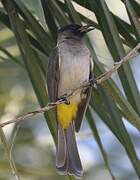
67,156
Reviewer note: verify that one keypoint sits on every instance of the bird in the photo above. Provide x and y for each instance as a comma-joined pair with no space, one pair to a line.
69,66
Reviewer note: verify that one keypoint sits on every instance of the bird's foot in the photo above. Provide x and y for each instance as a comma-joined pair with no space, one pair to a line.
65,99
93,82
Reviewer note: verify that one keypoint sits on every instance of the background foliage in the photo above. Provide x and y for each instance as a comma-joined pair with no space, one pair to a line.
28,32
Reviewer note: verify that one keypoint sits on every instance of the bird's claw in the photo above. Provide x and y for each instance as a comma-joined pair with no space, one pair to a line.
93,82
65,99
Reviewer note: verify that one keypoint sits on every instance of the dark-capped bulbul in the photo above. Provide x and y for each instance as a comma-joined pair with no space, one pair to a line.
70,65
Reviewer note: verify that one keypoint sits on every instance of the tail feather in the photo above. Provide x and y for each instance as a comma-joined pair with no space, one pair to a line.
72,148
61,148
67,156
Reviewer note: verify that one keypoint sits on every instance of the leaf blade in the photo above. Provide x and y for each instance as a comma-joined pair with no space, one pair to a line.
29,59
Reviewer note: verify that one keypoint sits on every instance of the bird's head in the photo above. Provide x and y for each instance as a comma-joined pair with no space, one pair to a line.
74,30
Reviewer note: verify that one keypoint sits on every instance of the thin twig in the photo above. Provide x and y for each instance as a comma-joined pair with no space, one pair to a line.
12,140
7,148
133,53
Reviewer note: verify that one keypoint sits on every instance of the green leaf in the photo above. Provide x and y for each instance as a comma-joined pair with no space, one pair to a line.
41,35
124,32
124,106
31,63
114,113
123,27
133,18
72,13
57,13
115,93
93,127
136,6
90,7
49,19
98,105
111,105
84,18
119,128
115,46
30,60
5,20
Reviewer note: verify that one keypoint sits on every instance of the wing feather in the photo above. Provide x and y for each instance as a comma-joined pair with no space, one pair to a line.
53,75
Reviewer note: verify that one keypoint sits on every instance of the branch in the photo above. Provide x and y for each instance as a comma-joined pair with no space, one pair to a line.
63,99
133,53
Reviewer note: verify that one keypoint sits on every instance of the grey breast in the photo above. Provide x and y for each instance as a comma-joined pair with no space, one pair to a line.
74,62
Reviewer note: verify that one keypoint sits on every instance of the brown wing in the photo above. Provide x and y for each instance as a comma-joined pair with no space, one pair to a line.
53,75
84,103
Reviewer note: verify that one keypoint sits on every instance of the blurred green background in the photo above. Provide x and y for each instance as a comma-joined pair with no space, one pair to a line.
33,147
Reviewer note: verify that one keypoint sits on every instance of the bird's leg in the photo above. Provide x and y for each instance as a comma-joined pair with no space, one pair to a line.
65,99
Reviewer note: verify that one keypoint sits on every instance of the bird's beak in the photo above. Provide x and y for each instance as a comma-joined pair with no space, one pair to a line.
87,28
